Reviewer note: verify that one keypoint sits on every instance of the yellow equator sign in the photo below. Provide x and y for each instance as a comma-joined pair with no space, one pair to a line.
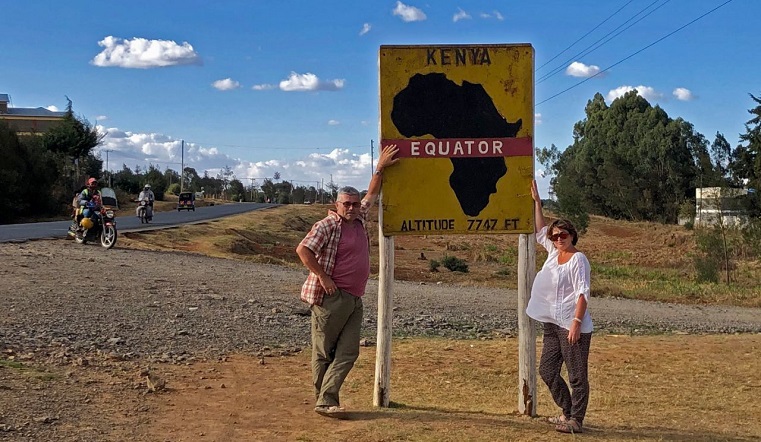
463,119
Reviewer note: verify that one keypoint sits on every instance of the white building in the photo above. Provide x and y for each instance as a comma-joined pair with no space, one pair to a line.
714,202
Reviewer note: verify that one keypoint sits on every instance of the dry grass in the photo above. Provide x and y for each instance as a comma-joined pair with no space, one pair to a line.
684,388
645,261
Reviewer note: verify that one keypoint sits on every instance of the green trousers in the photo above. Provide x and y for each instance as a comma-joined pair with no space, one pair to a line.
335,343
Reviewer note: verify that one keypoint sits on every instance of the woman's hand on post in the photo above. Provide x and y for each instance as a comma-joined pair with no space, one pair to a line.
535,192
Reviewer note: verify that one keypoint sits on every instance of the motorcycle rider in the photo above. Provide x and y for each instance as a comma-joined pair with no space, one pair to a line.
146,194
88,205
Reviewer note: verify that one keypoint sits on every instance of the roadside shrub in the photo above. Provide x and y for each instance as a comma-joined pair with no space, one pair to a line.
433,265
174,189
706,268
751,235
708,259
455,264
689,225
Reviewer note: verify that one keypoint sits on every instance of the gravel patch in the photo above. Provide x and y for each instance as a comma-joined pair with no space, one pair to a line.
174,307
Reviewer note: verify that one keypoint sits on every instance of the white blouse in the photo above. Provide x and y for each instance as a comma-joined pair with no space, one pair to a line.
557,288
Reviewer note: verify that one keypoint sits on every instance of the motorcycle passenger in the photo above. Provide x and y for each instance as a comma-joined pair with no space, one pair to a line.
146,194
88,204
75,211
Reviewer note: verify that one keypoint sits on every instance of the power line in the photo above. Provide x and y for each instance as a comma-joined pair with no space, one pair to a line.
583,36
632,55
594,46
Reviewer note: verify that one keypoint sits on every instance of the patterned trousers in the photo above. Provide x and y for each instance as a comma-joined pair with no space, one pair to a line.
555,352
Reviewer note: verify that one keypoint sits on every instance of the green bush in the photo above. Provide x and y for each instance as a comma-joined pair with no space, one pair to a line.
433,265
706,268
455,264
174,189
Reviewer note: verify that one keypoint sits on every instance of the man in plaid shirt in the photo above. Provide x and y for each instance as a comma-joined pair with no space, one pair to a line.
337,253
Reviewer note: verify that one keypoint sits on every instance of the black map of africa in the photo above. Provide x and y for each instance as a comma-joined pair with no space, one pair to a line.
431,104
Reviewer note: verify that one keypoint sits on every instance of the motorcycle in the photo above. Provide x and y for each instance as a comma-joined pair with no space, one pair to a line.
145,211
99,225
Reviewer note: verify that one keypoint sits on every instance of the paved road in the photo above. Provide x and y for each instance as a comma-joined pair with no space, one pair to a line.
58,229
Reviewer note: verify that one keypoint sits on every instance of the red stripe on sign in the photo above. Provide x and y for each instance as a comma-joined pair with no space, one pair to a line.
462,147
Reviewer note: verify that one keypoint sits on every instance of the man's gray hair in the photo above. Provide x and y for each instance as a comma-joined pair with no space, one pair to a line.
348,190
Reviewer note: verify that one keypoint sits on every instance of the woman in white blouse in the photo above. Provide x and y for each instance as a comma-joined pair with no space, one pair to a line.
559,299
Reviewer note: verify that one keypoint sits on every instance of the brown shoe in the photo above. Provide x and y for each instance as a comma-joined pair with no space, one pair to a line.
333,411
570,426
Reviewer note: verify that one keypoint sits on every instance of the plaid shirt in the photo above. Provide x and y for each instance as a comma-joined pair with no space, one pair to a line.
323,240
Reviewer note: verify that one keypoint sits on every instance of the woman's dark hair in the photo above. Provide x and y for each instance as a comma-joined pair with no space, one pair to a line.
563,224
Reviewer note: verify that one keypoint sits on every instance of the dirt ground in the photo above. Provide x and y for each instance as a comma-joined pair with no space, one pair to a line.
135,345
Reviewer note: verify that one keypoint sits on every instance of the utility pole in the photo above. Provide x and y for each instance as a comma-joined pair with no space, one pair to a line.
107,170
182,167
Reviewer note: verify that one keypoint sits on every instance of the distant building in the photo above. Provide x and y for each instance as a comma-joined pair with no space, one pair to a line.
714,202
26,120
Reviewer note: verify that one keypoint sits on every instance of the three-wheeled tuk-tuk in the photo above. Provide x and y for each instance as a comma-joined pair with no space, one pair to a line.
187,201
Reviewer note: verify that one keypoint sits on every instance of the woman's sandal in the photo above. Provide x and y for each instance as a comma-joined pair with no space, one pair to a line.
569,426
557,420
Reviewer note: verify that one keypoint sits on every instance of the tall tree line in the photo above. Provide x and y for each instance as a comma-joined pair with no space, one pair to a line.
630,160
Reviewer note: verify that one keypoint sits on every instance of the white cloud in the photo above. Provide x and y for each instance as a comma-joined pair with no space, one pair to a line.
460,15
496,14
408,13
309,82
142,149
365,28
227,84
101,118
333,122
263,87
683,94
537,119
646,92
578,69
144,54
52,108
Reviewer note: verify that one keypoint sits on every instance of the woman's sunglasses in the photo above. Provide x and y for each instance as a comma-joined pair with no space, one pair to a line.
557,236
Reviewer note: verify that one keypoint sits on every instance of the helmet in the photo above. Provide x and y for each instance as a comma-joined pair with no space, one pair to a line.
86,223
147,186
92,181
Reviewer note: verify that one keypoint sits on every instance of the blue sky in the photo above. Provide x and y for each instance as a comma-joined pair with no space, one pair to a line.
292,87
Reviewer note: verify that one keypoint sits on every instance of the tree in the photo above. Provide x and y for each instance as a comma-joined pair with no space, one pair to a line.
629,161
72,136
172,177
299,194
158,182
745,165
27,176
268,188
192,182
226,175
237,191
127,180
721,152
